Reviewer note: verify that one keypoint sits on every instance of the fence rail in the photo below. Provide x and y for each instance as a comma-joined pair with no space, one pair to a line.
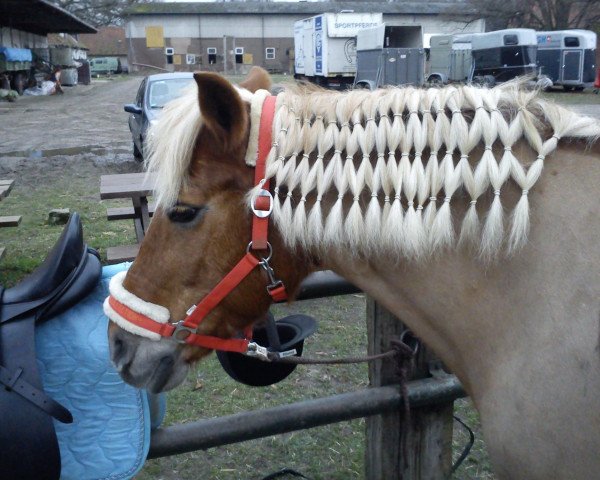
214,432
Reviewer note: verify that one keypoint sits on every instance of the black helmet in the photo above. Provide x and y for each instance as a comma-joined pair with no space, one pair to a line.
277,336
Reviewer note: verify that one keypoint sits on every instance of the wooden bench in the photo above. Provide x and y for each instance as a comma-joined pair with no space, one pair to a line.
126,213
5,187
10,221
122,253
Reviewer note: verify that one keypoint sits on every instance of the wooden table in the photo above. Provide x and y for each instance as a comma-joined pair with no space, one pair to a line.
7,221
137,187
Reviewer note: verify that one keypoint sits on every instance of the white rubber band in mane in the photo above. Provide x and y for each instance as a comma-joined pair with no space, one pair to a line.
155,312
407,152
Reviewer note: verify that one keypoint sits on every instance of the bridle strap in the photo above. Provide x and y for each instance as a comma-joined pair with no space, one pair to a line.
185,331
260,225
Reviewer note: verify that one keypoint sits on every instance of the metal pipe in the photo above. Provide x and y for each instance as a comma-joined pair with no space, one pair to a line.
239,427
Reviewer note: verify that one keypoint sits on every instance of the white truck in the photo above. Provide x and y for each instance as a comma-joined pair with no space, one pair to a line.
325,47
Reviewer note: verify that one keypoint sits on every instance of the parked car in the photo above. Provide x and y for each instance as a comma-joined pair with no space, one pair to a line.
154,92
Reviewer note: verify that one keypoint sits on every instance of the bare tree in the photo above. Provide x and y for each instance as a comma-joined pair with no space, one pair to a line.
540,14
98,12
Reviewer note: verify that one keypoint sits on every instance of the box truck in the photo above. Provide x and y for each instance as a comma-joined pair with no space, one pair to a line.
325,47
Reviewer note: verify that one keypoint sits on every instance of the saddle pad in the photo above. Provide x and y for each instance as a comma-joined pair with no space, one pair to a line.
110,435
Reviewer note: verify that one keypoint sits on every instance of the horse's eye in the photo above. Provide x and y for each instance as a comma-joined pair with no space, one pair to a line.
184,213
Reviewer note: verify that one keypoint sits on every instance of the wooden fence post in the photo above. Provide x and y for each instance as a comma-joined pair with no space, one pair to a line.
420,448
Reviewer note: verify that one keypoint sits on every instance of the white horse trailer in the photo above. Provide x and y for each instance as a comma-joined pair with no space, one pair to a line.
450,58
389,55
325,47
502,55
568,57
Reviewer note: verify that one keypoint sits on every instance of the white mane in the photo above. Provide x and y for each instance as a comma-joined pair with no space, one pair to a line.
388,158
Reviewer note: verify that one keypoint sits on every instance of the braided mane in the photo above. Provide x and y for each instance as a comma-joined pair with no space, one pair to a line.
395,159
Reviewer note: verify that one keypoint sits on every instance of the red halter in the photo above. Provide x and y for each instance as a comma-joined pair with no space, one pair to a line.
184,331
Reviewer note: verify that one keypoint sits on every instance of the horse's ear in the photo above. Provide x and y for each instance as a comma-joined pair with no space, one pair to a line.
258,79
223,112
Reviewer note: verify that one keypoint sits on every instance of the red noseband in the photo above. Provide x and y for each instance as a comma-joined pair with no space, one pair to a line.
185,330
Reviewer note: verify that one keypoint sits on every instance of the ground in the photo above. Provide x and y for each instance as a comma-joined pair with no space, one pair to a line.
56,148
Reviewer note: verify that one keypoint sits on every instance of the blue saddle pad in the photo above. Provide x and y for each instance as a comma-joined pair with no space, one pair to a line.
110,434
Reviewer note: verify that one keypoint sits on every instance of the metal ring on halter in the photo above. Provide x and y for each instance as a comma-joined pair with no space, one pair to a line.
179,328
269,248
262,193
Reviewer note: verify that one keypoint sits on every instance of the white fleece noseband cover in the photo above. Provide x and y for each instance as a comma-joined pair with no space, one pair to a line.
157,313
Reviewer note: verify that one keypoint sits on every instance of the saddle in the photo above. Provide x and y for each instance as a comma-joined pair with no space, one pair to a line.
28,443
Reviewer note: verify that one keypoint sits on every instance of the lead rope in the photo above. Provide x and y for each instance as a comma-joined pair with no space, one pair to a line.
400,350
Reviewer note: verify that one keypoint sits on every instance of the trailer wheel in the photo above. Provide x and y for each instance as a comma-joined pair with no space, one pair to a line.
578,89
567,88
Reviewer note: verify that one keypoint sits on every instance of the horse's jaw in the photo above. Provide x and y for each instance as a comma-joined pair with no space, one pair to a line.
156,366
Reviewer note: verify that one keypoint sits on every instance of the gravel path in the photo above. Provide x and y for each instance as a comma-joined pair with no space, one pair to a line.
85,116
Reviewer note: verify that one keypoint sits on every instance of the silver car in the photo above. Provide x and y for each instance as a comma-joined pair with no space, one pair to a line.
154,92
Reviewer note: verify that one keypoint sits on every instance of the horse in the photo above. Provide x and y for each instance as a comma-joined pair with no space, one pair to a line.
470,213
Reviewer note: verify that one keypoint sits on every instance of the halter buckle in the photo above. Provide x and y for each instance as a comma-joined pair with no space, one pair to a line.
178,334
256,350
261,212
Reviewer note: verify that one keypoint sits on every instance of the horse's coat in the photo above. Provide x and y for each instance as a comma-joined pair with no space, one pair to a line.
520,332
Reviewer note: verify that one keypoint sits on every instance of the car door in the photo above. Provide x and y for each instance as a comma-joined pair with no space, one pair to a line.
136,120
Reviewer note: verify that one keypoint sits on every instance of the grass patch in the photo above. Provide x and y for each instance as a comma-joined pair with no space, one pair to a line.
586,97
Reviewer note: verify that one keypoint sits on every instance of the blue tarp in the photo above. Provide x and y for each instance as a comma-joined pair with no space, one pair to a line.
16,54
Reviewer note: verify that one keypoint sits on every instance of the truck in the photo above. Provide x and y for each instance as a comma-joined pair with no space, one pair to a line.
325,47
15,64
389,55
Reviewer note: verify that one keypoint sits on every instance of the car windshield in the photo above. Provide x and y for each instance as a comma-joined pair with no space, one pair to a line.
163,91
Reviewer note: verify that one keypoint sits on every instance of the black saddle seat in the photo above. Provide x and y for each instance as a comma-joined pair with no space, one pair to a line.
28,443
53,276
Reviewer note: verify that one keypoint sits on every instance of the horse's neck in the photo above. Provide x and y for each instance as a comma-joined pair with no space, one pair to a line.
483,318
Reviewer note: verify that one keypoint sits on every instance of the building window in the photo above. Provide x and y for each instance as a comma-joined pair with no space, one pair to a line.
212,55
190,59
270,53
239,54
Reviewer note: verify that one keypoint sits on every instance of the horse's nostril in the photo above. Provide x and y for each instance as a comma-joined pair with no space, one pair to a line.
120,352
167,361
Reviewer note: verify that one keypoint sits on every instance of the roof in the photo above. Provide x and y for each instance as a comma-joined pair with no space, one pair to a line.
40,17
109,41
304,8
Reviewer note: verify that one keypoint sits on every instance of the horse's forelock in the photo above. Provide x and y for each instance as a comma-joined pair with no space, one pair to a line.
171,140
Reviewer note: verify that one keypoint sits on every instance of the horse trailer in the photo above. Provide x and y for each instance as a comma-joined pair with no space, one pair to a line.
325,47
389,55
502,55
568,57
450,58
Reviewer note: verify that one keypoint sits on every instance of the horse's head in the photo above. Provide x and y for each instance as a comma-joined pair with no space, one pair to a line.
200,231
